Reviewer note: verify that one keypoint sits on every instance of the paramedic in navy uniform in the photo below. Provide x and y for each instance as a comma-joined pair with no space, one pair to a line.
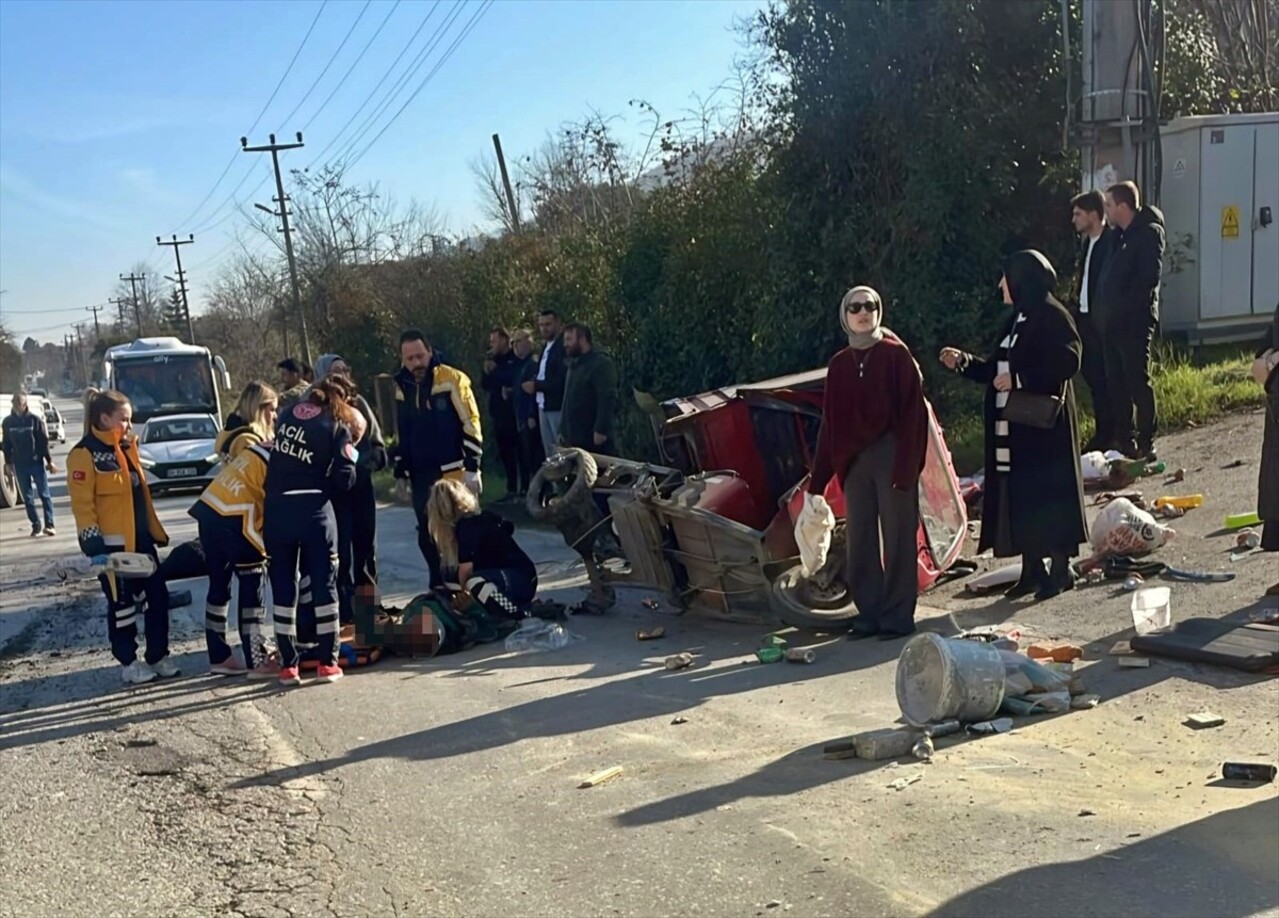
311,459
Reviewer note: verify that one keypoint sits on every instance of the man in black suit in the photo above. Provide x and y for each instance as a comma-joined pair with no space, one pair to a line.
1088,215
1128,302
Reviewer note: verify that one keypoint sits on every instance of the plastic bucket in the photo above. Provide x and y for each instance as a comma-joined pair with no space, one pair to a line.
942,679
1152,609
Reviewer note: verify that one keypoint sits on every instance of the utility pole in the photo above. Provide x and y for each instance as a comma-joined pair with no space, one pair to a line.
97,329
120,303
274,149
182,279
137,312
506,183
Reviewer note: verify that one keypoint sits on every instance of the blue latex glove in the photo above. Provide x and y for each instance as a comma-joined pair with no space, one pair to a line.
99,560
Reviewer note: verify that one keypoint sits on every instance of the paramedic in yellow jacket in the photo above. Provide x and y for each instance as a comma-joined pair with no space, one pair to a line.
113,512
229,514
438,433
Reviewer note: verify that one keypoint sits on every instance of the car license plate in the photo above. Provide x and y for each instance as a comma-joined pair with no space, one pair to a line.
182,473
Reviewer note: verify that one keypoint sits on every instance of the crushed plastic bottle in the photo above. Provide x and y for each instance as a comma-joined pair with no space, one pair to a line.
535,636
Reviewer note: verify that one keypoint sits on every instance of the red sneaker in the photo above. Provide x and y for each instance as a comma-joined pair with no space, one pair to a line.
289,675
328,673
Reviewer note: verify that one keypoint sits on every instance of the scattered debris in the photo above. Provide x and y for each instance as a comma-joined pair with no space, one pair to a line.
1249,771
1087,813
1177,476
679,720
1058,652
1236,464
1134,662
902,783
1240,520
1204,720
773,640
679,661
769,654
1084,702
608,774
773,903
651,604
924,749
1248,538
885,743
841,749
1152,610
998,725
1121,648
800,655
1133,582
945,728
650,635
1264,616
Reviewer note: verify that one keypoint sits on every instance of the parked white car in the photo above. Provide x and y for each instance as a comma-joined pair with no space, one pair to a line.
54,421
178,451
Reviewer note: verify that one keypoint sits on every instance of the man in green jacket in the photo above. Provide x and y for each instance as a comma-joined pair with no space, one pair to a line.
590,394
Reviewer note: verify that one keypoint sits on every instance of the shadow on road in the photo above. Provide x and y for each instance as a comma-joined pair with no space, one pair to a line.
1224,865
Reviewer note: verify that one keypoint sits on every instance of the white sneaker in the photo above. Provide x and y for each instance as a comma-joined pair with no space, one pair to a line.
137,673
165,669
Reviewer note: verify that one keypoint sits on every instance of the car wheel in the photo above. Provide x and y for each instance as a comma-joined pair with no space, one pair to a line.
561,489
802,604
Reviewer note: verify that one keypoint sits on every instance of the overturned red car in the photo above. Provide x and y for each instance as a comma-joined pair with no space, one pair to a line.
714,528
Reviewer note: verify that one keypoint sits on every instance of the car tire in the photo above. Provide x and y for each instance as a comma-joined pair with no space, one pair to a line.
796,603
561,489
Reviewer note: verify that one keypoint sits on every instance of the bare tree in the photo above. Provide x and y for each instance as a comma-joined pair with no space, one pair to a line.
488,181
1247,48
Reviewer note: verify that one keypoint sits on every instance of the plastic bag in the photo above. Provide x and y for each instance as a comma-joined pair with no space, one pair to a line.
1019,670
1123,529
813,529
535,635
1095,466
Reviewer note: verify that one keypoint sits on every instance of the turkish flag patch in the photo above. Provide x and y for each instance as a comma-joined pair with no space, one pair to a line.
78,475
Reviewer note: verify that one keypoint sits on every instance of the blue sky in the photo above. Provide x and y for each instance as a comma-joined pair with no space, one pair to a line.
117,118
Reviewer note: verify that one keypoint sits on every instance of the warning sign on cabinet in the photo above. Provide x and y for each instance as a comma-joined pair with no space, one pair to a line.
1230,222
1179,169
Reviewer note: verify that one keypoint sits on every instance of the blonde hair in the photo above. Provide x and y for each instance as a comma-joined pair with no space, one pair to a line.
98,402
249,406
449,502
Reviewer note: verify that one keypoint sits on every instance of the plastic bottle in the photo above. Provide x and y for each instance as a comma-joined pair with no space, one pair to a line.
1156,468
1184,502
1240,520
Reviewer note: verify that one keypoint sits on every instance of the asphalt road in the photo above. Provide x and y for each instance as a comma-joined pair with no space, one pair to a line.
449,786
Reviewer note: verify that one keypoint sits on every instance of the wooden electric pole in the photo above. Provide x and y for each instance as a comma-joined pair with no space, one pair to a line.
119,304
506,183
137,310
274,149
97,329
182,280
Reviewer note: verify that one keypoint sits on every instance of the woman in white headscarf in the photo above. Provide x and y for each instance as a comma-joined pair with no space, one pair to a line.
874,437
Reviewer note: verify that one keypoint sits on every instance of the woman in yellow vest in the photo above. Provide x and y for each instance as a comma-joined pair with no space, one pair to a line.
229,514
113,512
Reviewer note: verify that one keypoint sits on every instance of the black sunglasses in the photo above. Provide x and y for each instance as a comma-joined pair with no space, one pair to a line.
853,308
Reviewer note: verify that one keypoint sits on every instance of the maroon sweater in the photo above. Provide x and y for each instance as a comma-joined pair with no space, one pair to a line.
870,394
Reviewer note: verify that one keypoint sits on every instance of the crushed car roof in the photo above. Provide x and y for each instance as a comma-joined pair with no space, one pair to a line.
693,404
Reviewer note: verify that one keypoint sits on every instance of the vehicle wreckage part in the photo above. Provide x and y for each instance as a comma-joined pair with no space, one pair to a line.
569,476
800,602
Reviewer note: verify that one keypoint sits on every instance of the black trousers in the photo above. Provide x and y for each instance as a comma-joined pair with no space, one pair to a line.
532,455
148,597
299,529
228,553
356,514
1127,347
1094,373
882,576
420,484
508,448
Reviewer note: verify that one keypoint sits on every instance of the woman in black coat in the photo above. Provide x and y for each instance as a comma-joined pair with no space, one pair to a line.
1034,495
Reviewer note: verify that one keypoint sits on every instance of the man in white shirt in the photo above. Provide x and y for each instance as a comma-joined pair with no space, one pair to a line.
1088,215
549,384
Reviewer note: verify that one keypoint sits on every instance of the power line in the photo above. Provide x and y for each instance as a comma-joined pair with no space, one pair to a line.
385,76
394,92
359,57
349,32
256,120
474,21
18,312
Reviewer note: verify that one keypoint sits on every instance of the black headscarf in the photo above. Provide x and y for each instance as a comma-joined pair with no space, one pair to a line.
1031,278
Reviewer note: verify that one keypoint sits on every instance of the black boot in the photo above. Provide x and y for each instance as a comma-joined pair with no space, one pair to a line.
1032,578
1060,579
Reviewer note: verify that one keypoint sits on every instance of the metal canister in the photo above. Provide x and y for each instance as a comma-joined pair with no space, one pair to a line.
800,655
1249,538
1249,771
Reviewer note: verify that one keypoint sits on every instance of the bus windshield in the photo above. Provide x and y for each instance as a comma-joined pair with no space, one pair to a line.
166,384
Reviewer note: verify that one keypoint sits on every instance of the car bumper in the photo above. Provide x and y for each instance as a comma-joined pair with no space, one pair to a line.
181,475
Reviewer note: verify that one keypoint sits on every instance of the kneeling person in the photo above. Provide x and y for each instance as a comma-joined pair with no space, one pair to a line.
478,552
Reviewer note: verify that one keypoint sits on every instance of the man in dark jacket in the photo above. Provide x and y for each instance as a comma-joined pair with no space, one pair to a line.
590,394
438,427
548,386
26,451
1088,215
501,369
532,454
1128,303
